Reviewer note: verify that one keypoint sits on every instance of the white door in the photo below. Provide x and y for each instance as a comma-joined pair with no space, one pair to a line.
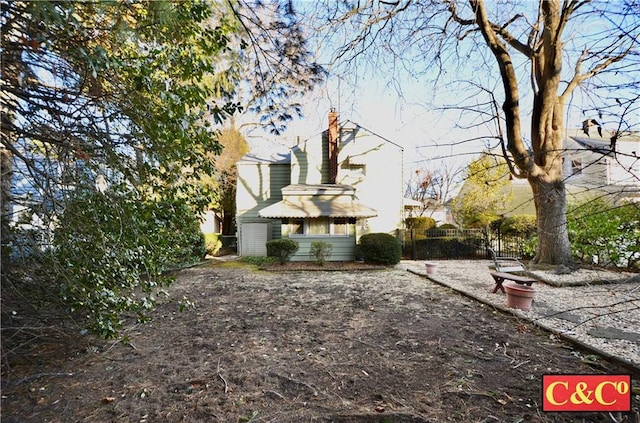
254,237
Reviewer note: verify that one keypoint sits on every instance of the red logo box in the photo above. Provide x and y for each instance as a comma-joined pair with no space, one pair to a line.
586,393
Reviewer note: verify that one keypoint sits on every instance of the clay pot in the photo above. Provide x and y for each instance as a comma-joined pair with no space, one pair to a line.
431,268
519,296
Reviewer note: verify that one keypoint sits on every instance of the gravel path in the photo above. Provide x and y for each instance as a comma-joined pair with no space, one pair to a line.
593,307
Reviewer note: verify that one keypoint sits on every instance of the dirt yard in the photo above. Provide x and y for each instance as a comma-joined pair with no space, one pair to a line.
296,346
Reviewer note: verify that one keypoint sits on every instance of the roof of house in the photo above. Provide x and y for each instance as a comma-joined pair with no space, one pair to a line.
276,158
303,208
349,125
318,189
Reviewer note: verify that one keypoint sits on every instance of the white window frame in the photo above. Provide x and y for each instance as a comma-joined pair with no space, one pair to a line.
332,228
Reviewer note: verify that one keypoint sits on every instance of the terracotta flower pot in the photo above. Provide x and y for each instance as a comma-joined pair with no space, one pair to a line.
431,268
519,296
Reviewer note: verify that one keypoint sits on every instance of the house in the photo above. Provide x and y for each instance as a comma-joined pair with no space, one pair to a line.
429,207
334,187
593,161
592,165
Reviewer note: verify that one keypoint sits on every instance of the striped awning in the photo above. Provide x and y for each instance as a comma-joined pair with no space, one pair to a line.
317,208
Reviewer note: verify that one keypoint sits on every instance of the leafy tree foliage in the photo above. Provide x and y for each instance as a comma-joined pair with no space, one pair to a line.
223,181
119,106
111,250
420,224
522,224
605,235
480,199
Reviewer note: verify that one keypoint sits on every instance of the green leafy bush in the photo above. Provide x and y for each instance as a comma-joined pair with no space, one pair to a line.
283,249
110,250
523,224
529,247
447,226
380,248
320,250
605,234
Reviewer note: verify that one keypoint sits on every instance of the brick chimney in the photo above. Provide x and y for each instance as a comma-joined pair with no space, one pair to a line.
333,145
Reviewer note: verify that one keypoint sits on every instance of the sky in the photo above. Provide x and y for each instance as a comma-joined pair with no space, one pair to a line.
408,112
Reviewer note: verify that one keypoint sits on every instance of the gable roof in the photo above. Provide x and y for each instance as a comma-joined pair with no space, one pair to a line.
348,125
276,158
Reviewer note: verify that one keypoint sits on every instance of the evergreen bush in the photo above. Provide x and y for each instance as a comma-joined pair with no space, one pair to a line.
381,248
110,251
283,249
604,234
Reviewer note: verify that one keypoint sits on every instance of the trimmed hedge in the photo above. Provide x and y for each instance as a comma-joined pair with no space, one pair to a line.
380,248
283,249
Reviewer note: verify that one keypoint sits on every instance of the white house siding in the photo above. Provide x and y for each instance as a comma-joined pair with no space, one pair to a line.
309,164
625,168
373,166
601,169
259,185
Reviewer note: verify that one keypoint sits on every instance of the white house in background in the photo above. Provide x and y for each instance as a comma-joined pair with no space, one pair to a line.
334,187
593,161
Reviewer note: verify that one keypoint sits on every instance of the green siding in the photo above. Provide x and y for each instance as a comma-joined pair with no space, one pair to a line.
259,185
343,248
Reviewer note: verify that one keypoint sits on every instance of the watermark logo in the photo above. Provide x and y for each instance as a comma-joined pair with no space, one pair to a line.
586,393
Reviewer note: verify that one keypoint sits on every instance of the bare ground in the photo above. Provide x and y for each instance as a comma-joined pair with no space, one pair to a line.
293,346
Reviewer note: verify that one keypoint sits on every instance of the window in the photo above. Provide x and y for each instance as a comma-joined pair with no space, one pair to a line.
319,226
296,227
340,227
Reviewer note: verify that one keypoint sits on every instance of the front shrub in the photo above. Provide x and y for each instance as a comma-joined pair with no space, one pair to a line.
380,248
321,251
282,249
447,226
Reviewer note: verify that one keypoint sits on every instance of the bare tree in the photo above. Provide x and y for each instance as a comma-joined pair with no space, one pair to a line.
432,187
535,57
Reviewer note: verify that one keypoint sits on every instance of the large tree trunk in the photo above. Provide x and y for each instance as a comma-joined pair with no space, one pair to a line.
551,219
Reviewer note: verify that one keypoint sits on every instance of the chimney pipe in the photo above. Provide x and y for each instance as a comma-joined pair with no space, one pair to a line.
333,145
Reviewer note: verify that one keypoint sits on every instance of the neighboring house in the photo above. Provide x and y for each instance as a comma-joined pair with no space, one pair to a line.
591,165
431,208
593,162
333,187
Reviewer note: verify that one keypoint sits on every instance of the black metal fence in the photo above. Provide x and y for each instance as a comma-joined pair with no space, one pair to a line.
450,244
